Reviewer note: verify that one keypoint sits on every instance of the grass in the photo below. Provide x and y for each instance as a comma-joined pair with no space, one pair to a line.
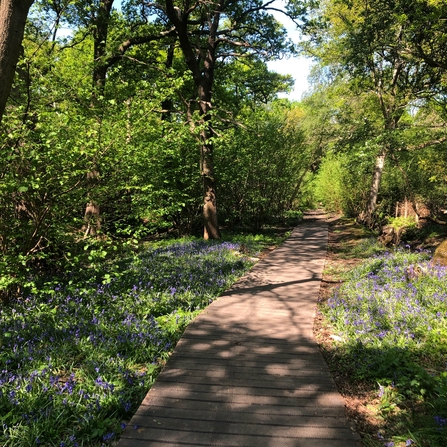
77,357
390,318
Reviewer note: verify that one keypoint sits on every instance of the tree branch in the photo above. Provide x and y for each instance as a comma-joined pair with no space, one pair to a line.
428,144
428,60
129,43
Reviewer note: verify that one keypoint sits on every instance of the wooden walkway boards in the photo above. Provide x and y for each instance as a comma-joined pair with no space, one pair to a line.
247,371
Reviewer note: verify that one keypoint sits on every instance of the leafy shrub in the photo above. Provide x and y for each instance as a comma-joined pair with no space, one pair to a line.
293,214
402,222
338,186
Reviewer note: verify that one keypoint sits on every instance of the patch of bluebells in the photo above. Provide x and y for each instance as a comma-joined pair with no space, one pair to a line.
395,300
408,442
85,354
196,268
391,316
440,422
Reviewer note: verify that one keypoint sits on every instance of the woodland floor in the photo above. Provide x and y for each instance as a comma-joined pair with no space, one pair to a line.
361,399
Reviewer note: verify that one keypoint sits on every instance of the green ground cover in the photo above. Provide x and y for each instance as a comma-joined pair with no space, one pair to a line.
389,318
78,356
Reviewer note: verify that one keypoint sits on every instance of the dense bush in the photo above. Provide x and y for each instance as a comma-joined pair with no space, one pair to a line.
261,165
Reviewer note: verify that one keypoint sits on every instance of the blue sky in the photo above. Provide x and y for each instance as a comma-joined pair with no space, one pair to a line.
298,67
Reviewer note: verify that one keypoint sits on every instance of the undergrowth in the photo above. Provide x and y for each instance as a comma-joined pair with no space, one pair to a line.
390,321
80,352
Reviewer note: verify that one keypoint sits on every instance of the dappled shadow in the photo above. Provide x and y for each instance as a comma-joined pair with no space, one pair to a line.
352,240
247,371
410,399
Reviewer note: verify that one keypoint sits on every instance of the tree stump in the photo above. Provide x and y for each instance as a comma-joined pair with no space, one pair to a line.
390,235
440,256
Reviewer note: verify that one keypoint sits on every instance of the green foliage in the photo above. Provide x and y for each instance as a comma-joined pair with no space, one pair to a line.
339,185
366,248
390,317
329,184
261,165
52,137
130,146
428,177
293,214
378,58
80,352
402,222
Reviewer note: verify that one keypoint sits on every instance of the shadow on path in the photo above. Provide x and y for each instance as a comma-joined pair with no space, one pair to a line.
247,371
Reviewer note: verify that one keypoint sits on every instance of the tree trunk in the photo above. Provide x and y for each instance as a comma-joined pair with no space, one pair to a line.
367,216
440,256
211,226
92,218
13,14
100,34
202,66
167,105
92,214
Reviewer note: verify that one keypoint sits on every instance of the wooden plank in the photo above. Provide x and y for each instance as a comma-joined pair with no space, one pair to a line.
248,371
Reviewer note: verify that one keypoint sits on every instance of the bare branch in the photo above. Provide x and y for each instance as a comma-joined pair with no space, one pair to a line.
233,42
429,143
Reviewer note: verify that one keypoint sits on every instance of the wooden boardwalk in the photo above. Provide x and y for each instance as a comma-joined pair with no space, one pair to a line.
247,371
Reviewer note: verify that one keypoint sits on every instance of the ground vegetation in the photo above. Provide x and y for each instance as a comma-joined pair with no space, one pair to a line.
381,329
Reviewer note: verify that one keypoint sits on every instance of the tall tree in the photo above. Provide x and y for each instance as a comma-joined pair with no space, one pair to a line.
209,33
13,14
367,42
100,28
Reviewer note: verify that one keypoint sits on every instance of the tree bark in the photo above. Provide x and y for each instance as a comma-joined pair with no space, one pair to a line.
367,216
210,220
166,105
100,34
202,65
13,14
92,214
211,226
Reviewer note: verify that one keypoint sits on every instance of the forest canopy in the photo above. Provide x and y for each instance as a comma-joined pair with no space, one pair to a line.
154,117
